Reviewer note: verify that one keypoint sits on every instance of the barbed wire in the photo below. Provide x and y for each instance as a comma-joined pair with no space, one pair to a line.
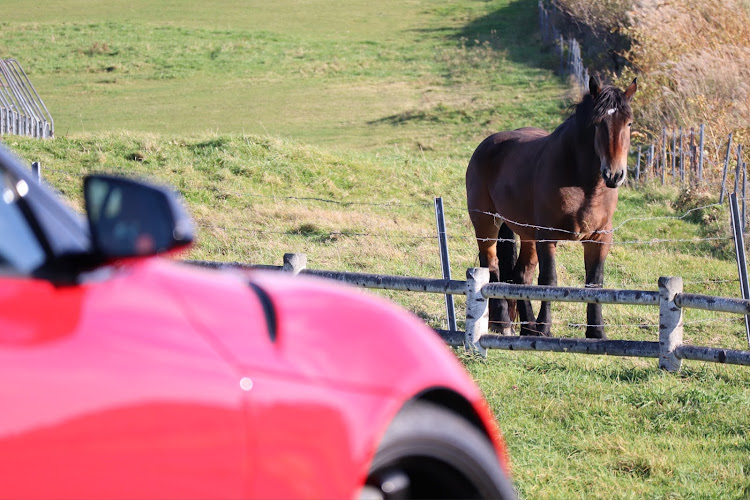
332,234
598,231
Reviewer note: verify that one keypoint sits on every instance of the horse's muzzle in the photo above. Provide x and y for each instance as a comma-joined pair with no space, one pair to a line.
613,179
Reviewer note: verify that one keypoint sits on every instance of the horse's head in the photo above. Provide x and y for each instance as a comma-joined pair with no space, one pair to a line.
612,118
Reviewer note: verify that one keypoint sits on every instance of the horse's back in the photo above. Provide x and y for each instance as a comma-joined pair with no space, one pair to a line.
494,149
501,173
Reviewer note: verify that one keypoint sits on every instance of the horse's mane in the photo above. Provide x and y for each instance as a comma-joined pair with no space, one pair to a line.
592,110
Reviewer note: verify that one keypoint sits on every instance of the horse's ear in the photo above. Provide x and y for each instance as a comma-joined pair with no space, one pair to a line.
593,87
630,91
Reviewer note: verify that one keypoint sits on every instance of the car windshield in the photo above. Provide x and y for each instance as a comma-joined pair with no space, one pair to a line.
20,250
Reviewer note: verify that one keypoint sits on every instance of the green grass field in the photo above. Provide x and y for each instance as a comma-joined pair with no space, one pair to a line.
328,128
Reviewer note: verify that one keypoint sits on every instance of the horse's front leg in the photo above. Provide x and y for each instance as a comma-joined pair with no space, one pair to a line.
547,276
594,254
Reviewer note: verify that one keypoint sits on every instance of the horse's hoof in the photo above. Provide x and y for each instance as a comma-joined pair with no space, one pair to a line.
502,329
595,333
528,332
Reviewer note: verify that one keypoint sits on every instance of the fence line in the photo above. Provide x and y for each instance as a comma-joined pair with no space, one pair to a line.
571,61
670,299
22,111
332,234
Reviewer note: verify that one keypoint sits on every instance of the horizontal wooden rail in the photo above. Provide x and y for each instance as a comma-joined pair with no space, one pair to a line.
634,348
710,303
231,265
454,338
382,281
569,294
713,355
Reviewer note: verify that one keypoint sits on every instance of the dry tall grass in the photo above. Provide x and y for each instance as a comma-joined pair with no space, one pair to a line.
695,56
692,58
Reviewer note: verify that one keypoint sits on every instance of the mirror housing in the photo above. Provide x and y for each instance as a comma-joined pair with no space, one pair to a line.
129,218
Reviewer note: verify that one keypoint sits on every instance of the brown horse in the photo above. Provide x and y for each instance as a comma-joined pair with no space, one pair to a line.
550,187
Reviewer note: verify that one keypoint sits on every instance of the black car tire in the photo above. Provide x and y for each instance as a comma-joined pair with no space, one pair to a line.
431,452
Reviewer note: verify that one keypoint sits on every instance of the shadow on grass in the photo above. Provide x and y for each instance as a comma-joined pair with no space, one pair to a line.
507,34
513,29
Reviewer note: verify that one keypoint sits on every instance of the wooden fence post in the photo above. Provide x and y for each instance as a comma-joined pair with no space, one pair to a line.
477,309
674,158
682,158
295,262
663,155
700,156
670,323
638,168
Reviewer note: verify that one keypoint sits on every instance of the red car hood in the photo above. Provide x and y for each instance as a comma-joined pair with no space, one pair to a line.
324,330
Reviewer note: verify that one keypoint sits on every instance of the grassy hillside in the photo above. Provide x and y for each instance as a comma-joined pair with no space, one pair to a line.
302,127
347,74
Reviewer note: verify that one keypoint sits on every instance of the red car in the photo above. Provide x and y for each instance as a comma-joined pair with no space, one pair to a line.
130,375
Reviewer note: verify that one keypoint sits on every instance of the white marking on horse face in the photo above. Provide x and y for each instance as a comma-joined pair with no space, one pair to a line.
611,111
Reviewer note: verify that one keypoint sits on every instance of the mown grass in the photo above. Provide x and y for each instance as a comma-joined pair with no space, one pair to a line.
356,74
326,132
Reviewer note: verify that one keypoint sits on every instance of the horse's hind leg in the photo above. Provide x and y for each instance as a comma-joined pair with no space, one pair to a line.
507,257
523,274
487,234
547,276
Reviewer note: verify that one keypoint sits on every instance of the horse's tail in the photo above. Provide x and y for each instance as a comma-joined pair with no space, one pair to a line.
507,255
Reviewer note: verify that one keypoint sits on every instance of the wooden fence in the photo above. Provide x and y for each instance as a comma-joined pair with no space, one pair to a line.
669,349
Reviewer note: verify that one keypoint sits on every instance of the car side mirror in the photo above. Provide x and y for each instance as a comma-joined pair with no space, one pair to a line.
129,218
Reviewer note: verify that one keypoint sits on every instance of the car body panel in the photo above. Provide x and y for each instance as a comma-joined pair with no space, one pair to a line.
107,381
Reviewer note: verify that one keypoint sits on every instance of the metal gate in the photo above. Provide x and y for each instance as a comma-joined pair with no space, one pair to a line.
22,111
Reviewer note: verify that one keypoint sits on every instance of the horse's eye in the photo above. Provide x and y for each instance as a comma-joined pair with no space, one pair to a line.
629,124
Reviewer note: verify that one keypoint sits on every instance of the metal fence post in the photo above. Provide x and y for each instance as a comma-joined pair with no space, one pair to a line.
477,309
726,166
36,171
739,247
670,323
737,170
450,310
295,262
